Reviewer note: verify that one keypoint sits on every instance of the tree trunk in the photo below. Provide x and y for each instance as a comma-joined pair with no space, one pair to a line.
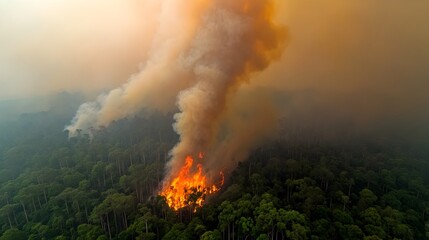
34,204
272,233
233,232
14,217
38,200
44,194
102,224
8,218
108,227
125,220
25,211
116,222
229,231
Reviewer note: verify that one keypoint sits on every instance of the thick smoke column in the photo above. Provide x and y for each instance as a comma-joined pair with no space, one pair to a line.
236,38
201,54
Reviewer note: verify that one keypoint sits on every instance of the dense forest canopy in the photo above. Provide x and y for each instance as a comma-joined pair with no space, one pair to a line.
297,186
214,119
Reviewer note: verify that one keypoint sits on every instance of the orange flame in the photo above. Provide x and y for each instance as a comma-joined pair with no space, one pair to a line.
190,186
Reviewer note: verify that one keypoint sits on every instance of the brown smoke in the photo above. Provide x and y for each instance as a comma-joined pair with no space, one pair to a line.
237,38
202,52
162,75
357,66
362,63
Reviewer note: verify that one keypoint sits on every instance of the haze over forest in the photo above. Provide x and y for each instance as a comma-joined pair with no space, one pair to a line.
364,60
108,98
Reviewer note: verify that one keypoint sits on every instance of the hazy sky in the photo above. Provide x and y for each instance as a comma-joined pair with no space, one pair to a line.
361,58
51,45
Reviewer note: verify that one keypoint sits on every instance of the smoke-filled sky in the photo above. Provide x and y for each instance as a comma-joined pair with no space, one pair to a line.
358,61
338,47
50,45
364,59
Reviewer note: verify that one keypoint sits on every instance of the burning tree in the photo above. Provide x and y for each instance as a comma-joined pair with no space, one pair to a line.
190,186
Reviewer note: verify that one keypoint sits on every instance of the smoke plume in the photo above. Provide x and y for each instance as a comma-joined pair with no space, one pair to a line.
356,66
202,52
236,39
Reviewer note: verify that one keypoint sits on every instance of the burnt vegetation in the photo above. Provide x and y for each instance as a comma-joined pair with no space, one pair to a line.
52,187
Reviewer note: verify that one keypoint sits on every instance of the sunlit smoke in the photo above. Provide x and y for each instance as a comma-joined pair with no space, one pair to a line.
202,52
354,65
236,39
162,76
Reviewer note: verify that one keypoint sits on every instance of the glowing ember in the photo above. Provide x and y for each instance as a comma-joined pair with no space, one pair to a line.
189,186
